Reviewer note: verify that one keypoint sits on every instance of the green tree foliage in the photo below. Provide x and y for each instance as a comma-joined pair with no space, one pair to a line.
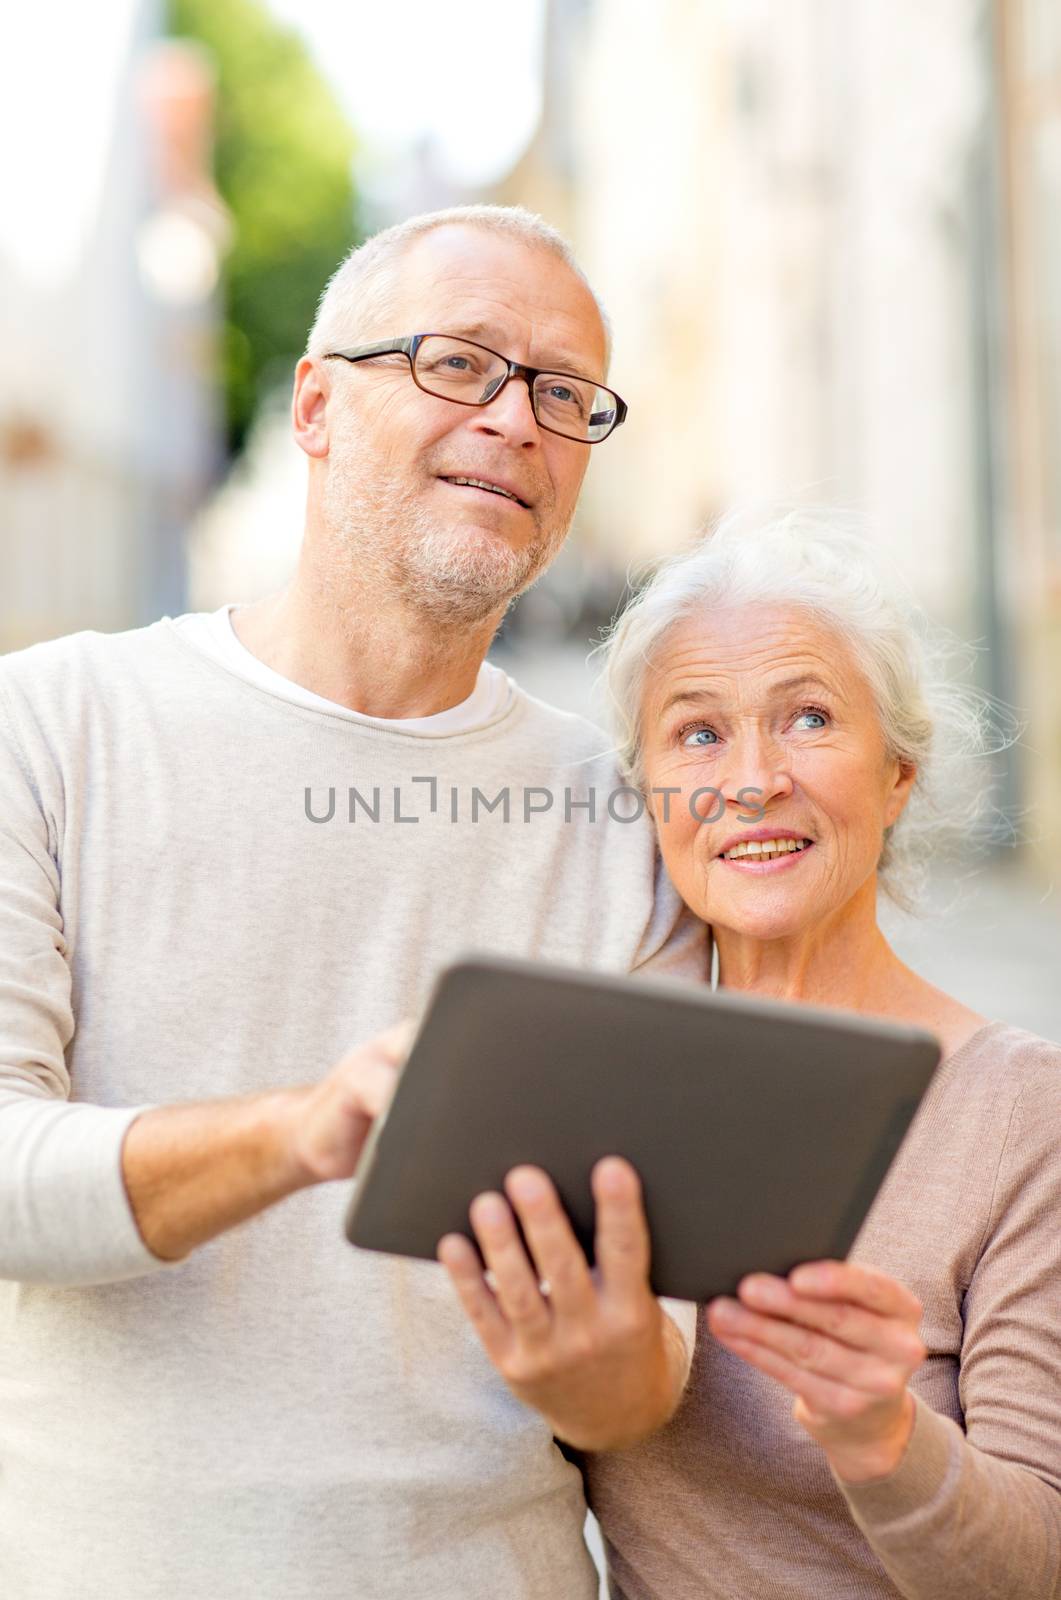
283,167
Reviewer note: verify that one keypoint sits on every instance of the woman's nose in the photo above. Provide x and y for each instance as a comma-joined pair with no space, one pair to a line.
755,770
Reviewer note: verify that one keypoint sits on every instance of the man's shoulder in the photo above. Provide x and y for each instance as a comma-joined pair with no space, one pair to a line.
563,738
57,681
87,650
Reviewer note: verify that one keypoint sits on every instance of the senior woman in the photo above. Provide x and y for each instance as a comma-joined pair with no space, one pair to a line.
889,1425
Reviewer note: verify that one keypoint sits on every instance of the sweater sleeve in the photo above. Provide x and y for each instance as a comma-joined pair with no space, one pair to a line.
977,1514
65,1218
675,944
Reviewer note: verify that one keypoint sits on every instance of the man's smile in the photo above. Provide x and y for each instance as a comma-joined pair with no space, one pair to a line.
489,485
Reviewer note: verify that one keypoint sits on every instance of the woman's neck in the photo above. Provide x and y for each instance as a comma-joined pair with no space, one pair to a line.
846,962
843,960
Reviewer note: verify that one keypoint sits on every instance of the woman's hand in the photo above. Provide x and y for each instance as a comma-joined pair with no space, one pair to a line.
594,1352
844,1339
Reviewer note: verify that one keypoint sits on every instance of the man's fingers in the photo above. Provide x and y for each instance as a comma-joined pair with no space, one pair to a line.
846,1280
558,1256
396,1041
460,1259
515,1280
368,1087
621,1239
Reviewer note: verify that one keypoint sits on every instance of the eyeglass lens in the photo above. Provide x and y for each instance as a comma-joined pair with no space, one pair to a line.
456,370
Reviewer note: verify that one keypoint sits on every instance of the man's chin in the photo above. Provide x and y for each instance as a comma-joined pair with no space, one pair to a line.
479,563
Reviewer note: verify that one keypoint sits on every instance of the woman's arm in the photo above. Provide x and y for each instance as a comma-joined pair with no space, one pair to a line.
949,1514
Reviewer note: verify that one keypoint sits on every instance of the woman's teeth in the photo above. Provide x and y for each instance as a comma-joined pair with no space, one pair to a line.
765,849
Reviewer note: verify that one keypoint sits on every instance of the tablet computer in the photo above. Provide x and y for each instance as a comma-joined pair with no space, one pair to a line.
761,1130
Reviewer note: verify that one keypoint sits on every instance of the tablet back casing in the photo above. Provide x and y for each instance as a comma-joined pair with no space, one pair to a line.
761,1130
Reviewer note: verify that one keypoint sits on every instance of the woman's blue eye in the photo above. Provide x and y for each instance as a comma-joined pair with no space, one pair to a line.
819,714
695,739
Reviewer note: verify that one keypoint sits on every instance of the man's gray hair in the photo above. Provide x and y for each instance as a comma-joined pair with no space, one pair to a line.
358,297
813,561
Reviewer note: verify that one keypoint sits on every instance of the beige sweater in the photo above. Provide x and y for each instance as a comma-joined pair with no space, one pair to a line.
280,1417
735,1500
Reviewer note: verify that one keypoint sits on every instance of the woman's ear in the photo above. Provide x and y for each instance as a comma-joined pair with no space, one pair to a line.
895,803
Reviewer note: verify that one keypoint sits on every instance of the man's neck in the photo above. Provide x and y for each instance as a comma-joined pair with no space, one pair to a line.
366,651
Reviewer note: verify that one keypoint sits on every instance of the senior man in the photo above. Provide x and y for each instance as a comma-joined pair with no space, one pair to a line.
230,846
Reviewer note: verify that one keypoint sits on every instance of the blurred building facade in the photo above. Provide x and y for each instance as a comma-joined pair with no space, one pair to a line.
1028,40
109,435
829,236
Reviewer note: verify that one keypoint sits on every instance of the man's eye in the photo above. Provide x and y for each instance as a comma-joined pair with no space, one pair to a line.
565,396
698,738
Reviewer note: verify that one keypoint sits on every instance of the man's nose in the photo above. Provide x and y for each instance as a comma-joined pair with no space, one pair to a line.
510,415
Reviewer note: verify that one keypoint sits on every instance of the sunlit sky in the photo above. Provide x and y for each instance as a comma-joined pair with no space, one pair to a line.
463,73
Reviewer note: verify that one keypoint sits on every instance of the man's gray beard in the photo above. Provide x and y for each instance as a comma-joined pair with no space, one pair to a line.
454,574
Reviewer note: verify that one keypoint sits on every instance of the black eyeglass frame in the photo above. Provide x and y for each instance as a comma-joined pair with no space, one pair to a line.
516,369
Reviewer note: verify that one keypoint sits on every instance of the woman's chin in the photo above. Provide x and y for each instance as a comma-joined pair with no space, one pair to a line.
761,922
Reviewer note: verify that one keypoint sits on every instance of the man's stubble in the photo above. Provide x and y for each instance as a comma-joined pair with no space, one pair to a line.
381,535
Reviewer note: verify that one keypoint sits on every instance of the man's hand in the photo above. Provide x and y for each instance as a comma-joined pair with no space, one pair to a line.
594,1352
844,1339
333,1117
193,1171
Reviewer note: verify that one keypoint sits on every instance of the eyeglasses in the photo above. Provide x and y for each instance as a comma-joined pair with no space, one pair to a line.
472,375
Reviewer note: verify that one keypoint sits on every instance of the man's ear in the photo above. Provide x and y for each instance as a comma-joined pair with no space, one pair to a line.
905,777
309,406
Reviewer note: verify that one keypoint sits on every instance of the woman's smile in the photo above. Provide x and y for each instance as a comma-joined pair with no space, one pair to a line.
759,862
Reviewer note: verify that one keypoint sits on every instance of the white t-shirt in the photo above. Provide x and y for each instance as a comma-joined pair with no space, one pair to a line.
214,634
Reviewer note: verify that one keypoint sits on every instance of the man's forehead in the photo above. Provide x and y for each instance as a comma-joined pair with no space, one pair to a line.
496,289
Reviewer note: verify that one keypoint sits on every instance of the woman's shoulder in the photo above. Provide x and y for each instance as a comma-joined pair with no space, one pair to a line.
1003,1070
975,1046
1014,1051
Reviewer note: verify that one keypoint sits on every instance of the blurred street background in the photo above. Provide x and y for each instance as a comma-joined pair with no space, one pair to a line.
828,233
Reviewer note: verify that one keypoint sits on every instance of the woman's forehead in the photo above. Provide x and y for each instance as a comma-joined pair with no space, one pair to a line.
736,636
743,646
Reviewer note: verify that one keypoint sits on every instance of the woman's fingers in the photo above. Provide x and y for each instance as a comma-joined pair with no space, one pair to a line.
461,1260
824,1396
892,1337
843,1339
877,1372
863,1286
557,1254
621,1243
516,1283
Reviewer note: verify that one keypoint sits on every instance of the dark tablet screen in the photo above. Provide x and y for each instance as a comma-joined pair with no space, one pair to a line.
761,1130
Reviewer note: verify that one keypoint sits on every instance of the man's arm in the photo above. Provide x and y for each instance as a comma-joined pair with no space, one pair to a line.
193,1171
97,1194
594,1351
93,1194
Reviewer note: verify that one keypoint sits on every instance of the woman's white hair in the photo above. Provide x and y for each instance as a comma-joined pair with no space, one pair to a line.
813,561
358,298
